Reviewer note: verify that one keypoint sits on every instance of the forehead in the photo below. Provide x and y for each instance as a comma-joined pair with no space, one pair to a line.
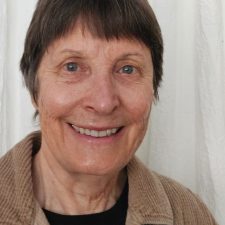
82,41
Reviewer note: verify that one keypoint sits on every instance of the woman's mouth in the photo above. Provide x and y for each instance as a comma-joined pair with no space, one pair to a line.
96,133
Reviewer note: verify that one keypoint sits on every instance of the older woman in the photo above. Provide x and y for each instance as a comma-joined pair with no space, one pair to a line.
92,68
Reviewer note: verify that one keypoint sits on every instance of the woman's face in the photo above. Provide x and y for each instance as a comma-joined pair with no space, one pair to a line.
94,102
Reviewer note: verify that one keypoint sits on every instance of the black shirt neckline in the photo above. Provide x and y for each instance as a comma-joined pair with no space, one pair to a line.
113,216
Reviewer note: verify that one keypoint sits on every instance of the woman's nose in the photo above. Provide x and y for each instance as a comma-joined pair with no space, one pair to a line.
103,98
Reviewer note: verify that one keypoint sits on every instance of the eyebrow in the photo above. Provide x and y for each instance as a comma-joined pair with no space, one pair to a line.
127,55
74,52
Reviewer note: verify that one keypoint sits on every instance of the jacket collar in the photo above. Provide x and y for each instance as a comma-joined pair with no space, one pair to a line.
23,154
148,201
16,184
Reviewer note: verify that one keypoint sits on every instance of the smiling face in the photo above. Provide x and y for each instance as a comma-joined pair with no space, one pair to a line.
94,102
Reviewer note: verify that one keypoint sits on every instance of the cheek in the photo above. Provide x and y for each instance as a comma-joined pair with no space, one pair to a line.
138,105
55,100
138,102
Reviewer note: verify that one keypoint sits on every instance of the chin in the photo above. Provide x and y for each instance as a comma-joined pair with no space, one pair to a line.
101,167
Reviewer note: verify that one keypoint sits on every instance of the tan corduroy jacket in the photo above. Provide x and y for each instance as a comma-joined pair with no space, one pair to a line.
153,199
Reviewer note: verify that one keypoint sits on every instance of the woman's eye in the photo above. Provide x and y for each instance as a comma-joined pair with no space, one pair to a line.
127,69
71,67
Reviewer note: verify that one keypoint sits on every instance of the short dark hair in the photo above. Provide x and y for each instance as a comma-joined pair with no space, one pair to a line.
107,19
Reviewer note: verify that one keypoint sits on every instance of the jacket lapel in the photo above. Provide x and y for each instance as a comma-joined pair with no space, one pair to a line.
148,202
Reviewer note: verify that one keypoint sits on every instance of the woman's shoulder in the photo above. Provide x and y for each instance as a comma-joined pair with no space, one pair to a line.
16,183
184,203
186,206
7,188
6,170
17,161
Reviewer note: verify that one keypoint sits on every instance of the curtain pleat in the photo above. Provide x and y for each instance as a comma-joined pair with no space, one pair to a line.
210,79
3,44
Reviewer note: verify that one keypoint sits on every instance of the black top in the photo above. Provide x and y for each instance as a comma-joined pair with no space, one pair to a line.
114,216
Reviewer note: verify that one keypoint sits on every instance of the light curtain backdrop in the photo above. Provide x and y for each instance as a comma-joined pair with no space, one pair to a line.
186,139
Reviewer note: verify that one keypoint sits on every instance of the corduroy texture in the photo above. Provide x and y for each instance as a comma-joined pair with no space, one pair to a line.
153,199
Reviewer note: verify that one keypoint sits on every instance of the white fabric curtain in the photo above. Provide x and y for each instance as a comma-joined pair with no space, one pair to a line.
186,139
210,59
3,31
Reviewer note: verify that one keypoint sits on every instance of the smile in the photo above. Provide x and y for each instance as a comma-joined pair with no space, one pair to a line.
96,133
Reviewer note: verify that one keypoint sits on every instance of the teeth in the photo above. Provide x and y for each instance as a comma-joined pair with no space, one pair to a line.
109,132
81,130
95,133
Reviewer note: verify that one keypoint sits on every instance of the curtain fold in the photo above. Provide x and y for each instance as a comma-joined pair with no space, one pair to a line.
210,79
3,44
172,134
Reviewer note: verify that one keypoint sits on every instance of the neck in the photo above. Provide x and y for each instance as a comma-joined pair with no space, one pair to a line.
74,194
